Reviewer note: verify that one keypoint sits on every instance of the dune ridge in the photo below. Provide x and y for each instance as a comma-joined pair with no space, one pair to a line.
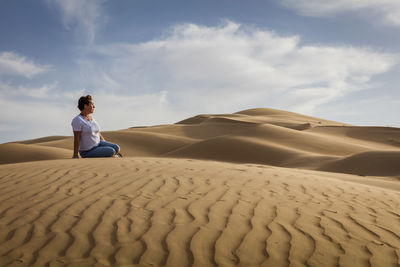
262,136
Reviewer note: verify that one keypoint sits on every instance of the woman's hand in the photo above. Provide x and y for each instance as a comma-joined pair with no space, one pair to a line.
101,137
77,140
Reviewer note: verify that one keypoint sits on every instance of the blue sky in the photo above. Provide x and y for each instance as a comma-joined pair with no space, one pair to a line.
157,62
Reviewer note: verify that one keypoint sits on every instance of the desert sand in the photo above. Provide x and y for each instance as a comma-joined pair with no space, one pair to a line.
260,187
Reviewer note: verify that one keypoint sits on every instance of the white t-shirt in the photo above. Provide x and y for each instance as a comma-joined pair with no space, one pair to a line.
89,132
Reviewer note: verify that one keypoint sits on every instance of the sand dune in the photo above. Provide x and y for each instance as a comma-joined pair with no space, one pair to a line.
265,136
259,187
15,152
385,163
181,212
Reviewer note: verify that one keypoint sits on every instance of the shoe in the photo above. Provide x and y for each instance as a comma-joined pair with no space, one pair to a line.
118,155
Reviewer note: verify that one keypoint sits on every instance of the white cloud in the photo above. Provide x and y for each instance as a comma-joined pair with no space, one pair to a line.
28,119
86,14
387,10
14,64
225,68
196,69
135,110
365,110
41,92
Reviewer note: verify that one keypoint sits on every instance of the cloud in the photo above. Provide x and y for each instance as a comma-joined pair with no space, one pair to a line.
30,112
387,10
29,118
13,64
229,67
87,15
45,91
194,69
134,110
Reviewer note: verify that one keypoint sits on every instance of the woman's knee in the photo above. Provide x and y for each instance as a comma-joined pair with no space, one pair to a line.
112,145
117,148
110,151
104,152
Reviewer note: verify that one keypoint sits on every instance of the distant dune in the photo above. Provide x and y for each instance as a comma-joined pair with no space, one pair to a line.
265,136
260,187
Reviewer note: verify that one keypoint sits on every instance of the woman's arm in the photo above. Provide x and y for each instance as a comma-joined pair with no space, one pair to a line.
77,140
101,137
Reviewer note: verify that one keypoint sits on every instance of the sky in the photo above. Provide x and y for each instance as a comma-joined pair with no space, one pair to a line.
151,62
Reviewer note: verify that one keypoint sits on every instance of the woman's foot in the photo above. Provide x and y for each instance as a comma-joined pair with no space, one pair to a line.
118,155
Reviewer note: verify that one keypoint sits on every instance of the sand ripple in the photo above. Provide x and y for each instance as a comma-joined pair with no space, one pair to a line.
181,212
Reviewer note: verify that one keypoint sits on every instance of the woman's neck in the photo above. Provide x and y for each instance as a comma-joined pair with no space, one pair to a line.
86,115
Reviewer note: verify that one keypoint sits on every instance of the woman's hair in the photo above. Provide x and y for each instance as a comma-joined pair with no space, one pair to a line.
84,100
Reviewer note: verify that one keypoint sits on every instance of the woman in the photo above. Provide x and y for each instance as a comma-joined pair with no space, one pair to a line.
87,137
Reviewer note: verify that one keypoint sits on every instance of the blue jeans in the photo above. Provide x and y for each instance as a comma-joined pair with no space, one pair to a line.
103,149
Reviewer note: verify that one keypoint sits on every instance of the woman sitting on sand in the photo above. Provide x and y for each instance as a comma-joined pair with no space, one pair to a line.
87,136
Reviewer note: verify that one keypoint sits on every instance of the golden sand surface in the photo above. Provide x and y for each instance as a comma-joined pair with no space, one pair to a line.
260,187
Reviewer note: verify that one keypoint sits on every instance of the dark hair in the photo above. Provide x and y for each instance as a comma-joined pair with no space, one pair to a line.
84,100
